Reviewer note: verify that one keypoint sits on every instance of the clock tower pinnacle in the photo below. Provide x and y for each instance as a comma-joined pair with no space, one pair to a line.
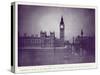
62,27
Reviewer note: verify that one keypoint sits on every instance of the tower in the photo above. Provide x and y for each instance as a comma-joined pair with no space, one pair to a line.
81,33
62,27
42,36
52,38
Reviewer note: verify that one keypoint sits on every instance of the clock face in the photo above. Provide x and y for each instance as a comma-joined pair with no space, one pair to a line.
61,26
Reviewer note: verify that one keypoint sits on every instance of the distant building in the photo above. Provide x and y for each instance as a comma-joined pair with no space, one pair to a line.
84,43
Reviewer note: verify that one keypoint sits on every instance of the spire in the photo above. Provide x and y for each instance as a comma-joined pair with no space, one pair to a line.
73,40
81,32
61,22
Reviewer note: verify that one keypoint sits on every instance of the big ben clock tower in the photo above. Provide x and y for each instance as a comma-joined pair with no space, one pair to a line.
62,27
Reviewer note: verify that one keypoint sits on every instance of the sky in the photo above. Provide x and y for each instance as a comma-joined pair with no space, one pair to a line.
33,19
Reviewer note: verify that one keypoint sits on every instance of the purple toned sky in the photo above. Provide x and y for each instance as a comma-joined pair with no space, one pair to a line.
33,19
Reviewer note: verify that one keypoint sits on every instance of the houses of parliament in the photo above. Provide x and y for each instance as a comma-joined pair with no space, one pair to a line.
44,40
80,41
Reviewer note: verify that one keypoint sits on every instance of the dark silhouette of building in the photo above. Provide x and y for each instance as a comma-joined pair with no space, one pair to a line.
84,44
44,40
80,42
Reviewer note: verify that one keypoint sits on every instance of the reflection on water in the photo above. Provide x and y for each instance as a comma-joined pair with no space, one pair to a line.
30,57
